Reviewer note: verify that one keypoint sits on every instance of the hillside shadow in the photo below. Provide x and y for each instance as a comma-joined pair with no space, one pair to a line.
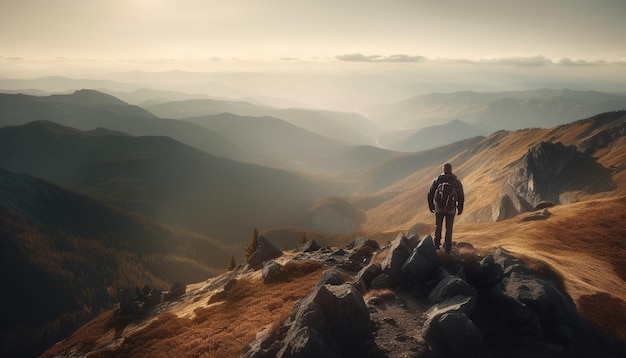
587,175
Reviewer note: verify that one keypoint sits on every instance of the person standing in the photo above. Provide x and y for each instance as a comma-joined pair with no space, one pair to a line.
445,199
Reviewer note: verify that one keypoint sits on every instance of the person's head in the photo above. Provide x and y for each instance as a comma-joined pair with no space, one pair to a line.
447,168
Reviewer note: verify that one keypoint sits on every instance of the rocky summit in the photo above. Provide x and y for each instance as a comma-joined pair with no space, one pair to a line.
404,299
409,300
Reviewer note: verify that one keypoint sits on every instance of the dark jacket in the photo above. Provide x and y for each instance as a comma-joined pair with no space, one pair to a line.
452,179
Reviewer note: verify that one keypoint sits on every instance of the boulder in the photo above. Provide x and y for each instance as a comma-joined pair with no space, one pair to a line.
552,307
267,250
264,252
456,335
309,246
449,287
271,271
176,290
363,280
456,304
426,247
510,312
330,277
255,261
448,327
363,242
398,254
332,321
509,263
488,274
417,268
383,281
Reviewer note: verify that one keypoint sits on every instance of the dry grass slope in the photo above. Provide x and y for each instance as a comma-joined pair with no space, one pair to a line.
584,243
221,329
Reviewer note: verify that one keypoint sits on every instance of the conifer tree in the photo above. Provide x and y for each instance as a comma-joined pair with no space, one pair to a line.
303,238
232,264
253,245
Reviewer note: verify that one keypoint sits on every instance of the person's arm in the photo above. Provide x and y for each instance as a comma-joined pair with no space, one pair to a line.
431,196
461,197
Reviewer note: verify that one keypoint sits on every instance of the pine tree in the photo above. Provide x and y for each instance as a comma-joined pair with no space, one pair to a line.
232,264
253,245
303,238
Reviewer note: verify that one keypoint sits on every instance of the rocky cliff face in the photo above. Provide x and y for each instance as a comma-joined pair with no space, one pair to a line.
547,171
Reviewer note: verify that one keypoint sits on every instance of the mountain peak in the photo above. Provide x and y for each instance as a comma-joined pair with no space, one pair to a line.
87,98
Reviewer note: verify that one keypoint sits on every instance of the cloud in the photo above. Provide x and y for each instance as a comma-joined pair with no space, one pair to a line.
524,61
580,62
358,57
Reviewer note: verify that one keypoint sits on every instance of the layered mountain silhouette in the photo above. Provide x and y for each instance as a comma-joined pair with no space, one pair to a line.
349,128
89,109
542,108
438,135
163,179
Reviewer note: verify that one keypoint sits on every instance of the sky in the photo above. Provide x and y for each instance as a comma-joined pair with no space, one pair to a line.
429,42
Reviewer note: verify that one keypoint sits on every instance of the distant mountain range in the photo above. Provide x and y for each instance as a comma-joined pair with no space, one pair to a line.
349,128
88,109
162,179
437,136
543,108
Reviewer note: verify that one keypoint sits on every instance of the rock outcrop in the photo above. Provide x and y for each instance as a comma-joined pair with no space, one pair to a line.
544,173
491,306
264,252
332,321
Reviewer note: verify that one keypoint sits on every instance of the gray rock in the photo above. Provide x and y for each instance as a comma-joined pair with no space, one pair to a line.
383,281
363,242
271,271
398,254
552,307
456,304
511,311
417,268
309,246
332,321
509,263
426,248
267,250
488,274
449,287
264,252
363,280
255,261
456,335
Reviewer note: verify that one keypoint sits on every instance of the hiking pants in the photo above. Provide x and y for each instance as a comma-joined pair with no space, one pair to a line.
438,225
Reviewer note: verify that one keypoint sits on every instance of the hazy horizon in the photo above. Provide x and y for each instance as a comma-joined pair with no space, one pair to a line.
336,55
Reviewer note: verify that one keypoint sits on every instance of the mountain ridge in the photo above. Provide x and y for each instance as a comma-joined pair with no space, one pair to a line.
163,179
65,255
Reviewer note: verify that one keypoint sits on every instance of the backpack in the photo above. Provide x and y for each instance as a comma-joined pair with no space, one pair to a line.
445,194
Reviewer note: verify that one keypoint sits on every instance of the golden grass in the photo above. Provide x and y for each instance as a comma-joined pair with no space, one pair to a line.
582,245
220,330
384,294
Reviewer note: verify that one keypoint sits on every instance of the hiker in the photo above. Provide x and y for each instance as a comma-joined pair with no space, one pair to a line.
445,199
